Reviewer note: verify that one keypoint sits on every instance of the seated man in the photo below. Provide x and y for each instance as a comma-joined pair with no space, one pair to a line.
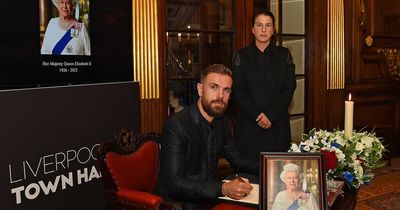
192,141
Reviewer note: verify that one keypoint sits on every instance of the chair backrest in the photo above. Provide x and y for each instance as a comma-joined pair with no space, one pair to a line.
130,161
135,171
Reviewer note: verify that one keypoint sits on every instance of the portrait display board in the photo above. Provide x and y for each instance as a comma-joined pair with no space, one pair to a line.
292,181
49,137
37,49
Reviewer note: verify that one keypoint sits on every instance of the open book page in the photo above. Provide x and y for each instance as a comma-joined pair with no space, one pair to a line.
252,198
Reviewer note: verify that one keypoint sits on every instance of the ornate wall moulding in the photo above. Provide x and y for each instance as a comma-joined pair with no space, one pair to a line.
369,40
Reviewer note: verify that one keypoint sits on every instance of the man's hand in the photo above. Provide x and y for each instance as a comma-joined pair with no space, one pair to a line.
263,121
236,189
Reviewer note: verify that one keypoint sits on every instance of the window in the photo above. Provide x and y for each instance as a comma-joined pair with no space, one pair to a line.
291,33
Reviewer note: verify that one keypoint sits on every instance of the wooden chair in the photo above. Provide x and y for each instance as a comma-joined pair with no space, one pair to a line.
129,167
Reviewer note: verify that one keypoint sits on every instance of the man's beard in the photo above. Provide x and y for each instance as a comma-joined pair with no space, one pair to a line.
213,112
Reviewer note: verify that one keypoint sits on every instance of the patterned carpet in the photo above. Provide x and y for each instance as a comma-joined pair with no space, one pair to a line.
384,191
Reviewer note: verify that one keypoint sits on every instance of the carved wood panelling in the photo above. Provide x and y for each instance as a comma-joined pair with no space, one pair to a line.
380,113
386,16
372,69
244,13
375,40
367,73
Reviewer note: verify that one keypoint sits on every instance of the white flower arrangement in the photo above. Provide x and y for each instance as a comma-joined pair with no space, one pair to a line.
349,159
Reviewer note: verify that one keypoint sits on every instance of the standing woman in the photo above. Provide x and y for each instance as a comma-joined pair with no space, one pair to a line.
264,82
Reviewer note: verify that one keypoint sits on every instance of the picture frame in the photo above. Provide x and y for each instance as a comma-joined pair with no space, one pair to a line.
292,179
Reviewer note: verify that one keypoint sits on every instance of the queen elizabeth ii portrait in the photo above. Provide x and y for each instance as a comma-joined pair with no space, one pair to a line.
66,34
293,197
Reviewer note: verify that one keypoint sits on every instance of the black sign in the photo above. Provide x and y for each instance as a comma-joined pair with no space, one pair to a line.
48,138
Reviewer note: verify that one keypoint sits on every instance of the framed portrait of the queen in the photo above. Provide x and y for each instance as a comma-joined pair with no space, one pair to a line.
292,181
64,27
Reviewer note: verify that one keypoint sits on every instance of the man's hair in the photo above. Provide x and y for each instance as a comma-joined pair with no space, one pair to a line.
215,68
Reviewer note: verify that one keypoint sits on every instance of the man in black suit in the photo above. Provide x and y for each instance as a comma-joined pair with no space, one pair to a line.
192,141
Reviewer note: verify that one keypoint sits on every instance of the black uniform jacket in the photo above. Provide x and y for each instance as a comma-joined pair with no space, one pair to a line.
183,158
263,82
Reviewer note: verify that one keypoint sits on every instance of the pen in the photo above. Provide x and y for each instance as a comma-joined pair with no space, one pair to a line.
239,178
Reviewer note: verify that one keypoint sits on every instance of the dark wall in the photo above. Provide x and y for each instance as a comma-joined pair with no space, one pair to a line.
22,65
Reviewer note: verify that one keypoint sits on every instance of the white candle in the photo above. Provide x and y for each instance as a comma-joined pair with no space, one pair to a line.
348,117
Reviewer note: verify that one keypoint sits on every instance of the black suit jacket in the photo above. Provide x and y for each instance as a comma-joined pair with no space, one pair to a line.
263,82
183,158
